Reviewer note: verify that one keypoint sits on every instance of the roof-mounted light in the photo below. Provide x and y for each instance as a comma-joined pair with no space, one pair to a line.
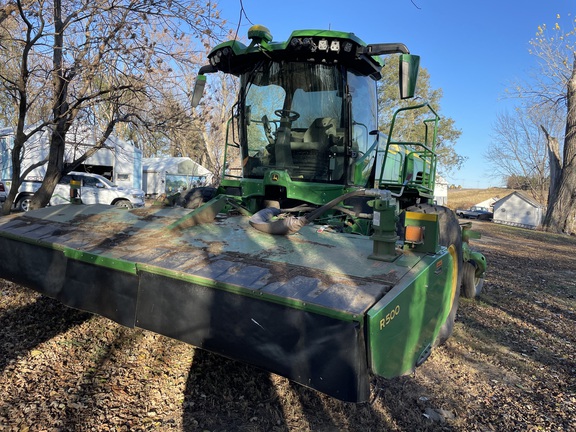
324,48
217,57
306,44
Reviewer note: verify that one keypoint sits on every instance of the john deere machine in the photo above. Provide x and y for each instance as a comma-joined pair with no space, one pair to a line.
321,257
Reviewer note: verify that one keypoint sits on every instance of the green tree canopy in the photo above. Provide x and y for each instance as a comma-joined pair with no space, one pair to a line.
388,103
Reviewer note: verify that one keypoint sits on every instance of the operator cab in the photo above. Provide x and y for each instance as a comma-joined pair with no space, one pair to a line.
306,114
296,119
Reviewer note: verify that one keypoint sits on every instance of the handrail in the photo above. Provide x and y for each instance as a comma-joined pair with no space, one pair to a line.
427,154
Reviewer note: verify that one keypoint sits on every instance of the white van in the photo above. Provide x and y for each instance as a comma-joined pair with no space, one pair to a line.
94,189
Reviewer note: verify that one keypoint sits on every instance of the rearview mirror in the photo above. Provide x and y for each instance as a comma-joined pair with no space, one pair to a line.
198,90
409,65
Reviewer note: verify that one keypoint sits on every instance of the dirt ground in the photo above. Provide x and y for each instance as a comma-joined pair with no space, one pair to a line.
510,365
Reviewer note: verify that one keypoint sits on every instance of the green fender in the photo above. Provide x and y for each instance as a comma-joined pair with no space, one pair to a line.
404,324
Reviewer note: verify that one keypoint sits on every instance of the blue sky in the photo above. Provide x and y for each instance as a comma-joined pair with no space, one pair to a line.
473,50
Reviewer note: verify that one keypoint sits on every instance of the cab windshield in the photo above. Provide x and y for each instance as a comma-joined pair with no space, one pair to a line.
294,121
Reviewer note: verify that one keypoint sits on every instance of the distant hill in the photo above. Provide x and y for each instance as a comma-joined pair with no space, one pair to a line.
465,198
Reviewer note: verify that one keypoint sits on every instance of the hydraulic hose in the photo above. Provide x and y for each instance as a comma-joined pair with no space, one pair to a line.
290,225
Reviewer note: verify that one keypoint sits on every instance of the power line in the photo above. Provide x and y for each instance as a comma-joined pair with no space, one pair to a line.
242,13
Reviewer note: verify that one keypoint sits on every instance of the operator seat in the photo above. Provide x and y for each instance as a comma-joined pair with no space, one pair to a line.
311,156
320,130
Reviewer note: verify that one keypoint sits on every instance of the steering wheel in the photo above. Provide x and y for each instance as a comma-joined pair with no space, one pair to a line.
290,115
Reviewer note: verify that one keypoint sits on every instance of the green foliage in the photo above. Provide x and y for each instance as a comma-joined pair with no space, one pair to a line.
388,103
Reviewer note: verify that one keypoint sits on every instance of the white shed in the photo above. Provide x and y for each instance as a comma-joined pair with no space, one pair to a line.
172,174
518,210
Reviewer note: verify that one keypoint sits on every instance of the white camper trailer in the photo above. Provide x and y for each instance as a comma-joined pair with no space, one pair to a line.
170,175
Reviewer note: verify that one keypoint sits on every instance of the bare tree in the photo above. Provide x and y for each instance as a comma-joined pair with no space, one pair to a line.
519,149
553,89
561,213
200,134
99,63
18,81
213,114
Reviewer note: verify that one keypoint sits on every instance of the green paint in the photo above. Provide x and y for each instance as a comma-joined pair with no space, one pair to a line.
100,260
405,323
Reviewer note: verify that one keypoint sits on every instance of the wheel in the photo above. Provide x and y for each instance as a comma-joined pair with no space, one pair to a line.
195,197
471,285
290,115
23,203
450,236
124,204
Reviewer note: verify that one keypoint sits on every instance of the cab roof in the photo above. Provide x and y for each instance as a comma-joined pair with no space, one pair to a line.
319,46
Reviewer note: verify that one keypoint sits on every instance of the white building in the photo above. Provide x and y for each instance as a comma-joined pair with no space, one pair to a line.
518,210
119,161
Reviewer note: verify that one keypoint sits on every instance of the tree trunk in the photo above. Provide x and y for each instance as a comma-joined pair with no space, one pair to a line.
20,135
562,207
54,170
55,165
555,163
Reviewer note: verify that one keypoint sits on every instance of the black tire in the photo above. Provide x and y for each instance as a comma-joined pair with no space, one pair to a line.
123,204
195,197
471,285
23,203
450,236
